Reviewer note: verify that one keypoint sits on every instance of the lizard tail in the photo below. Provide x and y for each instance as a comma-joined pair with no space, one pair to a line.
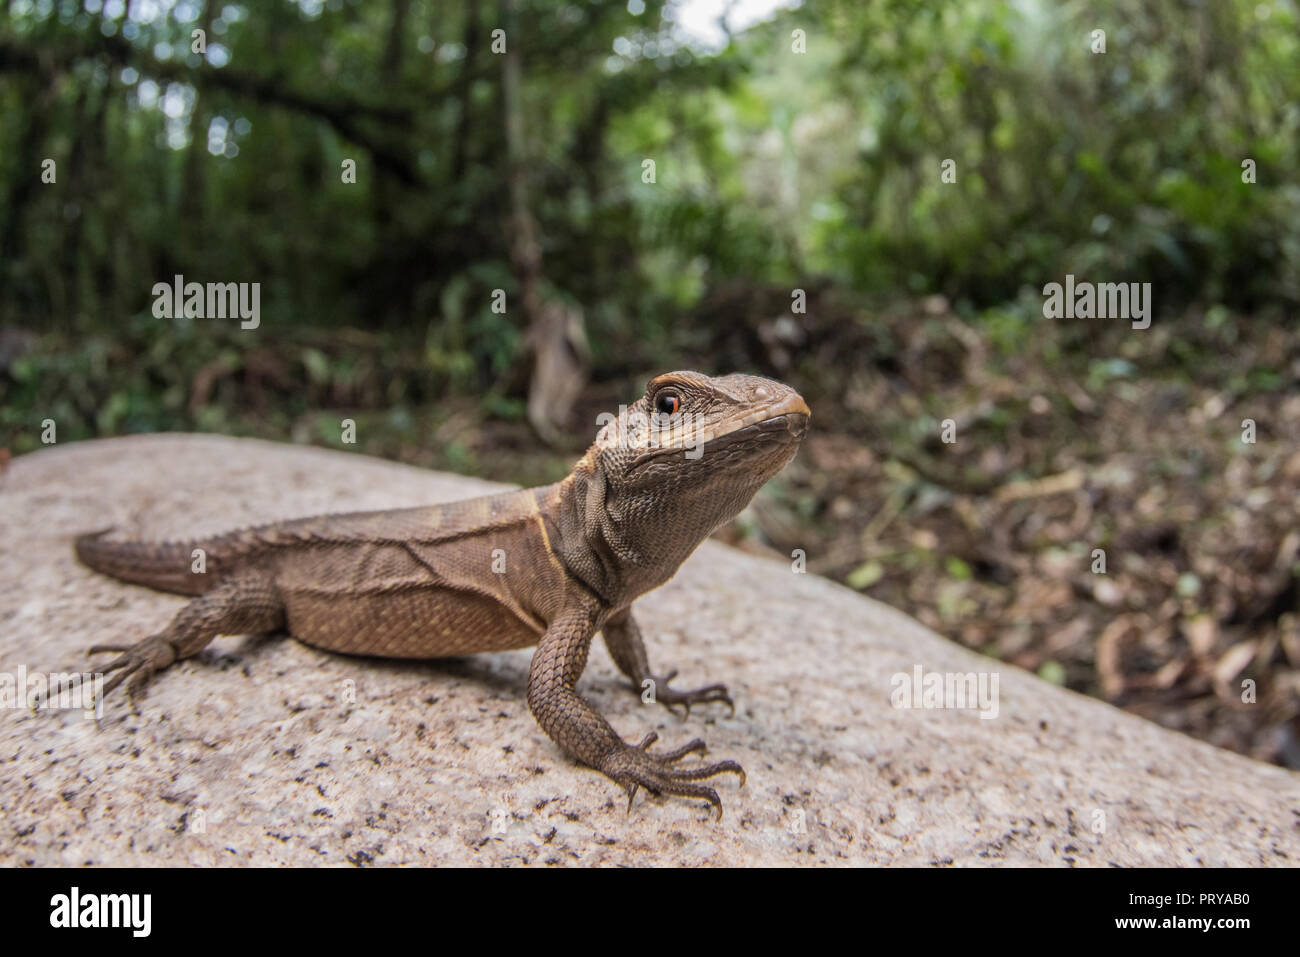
166,566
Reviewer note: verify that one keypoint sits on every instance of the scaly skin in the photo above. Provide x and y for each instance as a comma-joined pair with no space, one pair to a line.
549,566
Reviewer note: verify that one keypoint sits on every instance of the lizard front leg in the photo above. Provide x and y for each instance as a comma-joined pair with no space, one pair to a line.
576,726
623,639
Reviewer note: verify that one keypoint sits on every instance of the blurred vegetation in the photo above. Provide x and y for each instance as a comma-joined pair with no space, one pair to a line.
772,165
776,170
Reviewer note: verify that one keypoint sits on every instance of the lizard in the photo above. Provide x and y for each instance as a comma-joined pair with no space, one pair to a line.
548,566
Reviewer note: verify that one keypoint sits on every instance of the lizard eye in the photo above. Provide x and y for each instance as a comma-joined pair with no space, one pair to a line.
667,403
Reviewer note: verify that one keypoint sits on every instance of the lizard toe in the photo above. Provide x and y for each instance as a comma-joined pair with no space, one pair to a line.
634,767
136,663
670,698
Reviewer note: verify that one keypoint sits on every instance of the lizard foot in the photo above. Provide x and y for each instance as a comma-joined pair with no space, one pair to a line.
670,697
634,767
136,662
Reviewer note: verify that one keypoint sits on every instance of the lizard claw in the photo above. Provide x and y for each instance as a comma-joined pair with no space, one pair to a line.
695,745
125,663
670,697
634,767
136,663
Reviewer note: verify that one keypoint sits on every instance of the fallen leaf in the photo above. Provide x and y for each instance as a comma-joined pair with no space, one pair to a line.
1233,661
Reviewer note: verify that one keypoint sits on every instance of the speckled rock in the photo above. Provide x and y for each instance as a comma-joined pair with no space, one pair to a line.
265,751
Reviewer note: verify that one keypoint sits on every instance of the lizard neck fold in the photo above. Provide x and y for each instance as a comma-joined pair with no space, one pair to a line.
574,510
620,547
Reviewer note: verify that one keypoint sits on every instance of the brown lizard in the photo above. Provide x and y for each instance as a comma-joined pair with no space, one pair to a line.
548,566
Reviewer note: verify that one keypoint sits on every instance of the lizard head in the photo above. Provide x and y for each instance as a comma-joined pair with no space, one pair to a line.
694,449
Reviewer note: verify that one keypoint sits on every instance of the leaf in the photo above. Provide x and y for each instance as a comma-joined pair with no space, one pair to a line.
318,367
865,575
1233,661
1053,672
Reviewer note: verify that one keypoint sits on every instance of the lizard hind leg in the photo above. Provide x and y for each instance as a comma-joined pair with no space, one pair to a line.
234,607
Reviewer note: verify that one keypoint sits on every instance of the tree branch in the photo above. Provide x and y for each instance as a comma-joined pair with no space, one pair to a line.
339,113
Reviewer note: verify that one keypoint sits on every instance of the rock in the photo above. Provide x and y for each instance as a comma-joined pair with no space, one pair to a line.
265,751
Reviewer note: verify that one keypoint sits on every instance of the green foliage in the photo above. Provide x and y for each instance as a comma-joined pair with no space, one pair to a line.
773,168
1122,164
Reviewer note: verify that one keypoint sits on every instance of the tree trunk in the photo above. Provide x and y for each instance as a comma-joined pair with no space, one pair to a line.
555,336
